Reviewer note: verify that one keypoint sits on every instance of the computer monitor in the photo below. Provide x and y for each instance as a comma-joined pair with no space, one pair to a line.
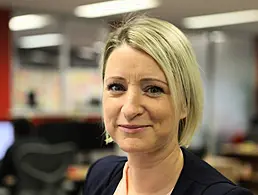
6,137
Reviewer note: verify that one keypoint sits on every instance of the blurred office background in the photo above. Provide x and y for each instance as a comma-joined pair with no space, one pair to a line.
49,77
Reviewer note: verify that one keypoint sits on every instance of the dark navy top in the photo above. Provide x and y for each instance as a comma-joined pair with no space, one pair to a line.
197,178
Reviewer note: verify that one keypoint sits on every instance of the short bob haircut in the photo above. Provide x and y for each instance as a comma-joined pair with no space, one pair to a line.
166,44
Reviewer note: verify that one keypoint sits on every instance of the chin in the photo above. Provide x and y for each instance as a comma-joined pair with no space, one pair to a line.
133,146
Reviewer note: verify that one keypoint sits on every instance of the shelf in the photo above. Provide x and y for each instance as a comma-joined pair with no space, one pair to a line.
241,150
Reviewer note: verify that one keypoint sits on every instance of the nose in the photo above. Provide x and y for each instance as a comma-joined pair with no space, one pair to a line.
132,106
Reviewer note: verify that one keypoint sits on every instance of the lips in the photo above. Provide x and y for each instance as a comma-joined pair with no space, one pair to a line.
133,128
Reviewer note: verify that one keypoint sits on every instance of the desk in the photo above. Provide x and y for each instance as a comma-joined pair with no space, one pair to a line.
248,149
248,154
229,167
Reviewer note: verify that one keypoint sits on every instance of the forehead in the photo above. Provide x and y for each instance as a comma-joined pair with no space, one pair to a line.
127,61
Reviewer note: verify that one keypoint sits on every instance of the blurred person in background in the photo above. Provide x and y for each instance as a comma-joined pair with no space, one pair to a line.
24,132
152,105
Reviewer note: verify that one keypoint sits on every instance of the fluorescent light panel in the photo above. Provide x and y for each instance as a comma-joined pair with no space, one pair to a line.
30,21
39,41
114,7
222,19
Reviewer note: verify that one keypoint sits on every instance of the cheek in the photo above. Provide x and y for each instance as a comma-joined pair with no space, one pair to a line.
163,116
161,110
110,112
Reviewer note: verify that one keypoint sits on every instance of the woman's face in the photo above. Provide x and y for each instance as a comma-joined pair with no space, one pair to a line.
138,113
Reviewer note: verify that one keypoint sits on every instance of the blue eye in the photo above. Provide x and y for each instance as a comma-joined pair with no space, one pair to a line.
115,87
154,90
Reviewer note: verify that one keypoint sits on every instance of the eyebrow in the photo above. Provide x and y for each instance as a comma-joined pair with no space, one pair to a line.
154,79
142,80
114,77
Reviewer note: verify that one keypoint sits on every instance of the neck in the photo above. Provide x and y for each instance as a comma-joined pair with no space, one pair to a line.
154,172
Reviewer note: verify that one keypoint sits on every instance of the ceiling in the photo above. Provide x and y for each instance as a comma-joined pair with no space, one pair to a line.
171,10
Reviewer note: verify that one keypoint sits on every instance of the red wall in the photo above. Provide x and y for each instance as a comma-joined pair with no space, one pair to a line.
5,67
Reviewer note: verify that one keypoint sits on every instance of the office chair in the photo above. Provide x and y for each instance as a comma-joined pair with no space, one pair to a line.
41,167
4,191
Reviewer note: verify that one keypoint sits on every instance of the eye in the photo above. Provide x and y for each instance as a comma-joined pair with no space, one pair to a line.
115,87
154,90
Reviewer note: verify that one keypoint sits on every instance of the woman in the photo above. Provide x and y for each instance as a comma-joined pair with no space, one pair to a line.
152,104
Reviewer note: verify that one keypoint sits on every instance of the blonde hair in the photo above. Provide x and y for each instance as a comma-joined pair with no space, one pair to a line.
172,51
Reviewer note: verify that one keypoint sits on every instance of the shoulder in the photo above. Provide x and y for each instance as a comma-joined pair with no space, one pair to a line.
102,171
206,180
201,172
225,189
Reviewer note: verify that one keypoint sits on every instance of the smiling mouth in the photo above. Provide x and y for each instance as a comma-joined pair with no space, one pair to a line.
133,128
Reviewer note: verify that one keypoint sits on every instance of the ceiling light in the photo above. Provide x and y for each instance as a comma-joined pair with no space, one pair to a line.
30,21
114,7
221,19
38,41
